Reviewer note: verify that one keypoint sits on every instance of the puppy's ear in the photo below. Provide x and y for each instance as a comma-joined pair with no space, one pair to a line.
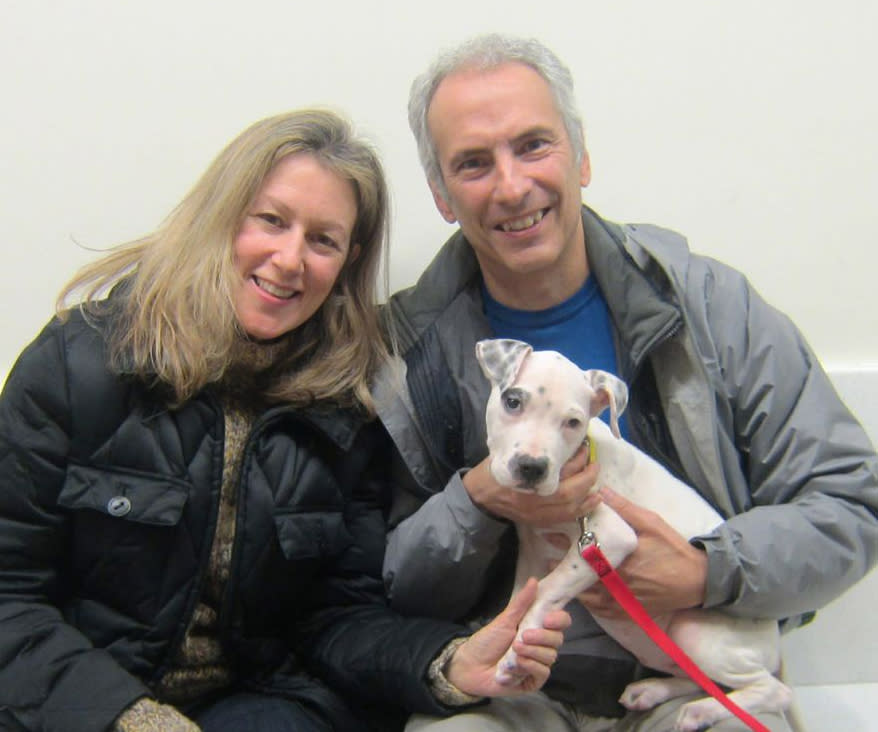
501,359
609,391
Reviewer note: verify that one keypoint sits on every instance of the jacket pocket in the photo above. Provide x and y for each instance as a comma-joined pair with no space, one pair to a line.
144,499
313,535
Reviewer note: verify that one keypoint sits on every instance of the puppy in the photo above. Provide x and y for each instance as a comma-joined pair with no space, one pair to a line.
541,409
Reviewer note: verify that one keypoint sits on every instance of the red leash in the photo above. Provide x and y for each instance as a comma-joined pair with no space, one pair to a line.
591,553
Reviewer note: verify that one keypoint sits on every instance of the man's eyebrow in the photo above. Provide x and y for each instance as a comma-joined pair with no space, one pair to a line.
530,133
538,131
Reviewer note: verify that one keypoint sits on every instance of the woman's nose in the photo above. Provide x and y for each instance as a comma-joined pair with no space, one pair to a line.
290,253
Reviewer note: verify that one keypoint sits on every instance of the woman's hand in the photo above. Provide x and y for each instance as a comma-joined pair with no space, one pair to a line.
147,715
472,668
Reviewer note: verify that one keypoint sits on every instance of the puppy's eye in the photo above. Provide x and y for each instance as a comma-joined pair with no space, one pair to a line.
512,403
513,400
574,423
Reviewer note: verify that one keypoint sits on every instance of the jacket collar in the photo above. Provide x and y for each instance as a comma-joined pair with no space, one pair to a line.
635,282
340,426
633,266
453,270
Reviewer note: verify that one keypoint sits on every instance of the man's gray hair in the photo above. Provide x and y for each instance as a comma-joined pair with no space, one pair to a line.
487,52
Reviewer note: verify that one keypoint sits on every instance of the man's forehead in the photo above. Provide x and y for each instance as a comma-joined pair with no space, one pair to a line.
472,105
462,84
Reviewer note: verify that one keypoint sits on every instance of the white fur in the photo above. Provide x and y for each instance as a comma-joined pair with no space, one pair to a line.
540,408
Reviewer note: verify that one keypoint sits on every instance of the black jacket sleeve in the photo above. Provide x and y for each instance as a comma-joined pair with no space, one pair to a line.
352,638
51,677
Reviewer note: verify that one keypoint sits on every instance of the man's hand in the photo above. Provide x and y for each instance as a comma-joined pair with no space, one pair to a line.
573,498
665,572
473,665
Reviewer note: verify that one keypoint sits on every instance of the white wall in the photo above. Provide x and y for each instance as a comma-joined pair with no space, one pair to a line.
748,125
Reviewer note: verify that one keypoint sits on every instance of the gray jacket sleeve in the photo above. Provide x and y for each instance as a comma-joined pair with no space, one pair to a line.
805,471
436,559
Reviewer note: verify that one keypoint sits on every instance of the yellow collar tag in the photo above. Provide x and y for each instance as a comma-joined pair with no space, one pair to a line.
592,449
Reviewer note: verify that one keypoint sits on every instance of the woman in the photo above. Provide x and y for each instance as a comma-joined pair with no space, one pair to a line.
191,491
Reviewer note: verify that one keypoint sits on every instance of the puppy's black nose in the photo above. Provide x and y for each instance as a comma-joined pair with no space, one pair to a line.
530,469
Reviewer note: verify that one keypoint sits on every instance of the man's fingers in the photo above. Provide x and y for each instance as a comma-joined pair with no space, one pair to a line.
614,500
636,516
576,463
591,502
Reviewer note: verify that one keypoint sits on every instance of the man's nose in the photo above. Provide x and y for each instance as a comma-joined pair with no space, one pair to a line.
512,184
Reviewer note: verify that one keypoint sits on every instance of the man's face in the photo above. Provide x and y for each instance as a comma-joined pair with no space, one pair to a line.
512,181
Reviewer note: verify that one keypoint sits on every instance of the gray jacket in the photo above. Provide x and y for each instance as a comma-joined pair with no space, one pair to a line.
724,391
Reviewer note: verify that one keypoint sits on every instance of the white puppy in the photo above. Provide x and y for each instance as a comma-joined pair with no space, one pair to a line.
541,409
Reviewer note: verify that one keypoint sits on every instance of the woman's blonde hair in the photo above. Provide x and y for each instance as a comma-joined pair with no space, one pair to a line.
176,322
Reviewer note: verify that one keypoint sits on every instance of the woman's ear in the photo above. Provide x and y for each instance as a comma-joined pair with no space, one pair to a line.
354,252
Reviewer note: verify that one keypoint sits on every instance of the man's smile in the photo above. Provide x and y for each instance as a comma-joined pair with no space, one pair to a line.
523,222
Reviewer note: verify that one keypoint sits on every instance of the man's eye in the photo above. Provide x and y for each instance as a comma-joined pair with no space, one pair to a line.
533,145
470,164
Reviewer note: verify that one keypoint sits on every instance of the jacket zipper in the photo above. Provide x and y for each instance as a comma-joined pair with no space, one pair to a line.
177,641
648,424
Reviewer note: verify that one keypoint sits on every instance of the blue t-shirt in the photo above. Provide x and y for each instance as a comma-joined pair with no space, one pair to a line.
578,327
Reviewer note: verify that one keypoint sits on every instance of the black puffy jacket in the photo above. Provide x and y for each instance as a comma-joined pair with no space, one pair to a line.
108,502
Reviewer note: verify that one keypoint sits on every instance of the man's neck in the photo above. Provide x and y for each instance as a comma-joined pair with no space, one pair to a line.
538,290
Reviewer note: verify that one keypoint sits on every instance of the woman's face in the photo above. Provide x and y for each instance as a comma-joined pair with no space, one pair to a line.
294,241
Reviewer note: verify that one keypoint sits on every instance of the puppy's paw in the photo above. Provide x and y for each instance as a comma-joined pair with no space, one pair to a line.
505,674
642,695
699,715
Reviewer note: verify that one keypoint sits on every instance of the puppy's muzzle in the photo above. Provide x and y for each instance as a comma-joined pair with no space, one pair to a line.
529,470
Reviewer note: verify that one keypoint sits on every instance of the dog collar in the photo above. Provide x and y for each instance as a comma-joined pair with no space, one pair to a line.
592,449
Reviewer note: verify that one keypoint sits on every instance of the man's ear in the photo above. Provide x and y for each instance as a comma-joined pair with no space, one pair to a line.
442,204
585,169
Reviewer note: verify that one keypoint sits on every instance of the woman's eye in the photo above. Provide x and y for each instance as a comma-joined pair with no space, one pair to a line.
270,218
324,240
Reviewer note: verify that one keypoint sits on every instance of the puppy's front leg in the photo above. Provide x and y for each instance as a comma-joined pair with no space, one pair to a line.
556,589
572,575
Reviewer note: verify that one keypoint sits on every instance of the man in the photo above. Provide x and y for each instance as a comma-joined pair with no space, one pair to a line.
724,392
